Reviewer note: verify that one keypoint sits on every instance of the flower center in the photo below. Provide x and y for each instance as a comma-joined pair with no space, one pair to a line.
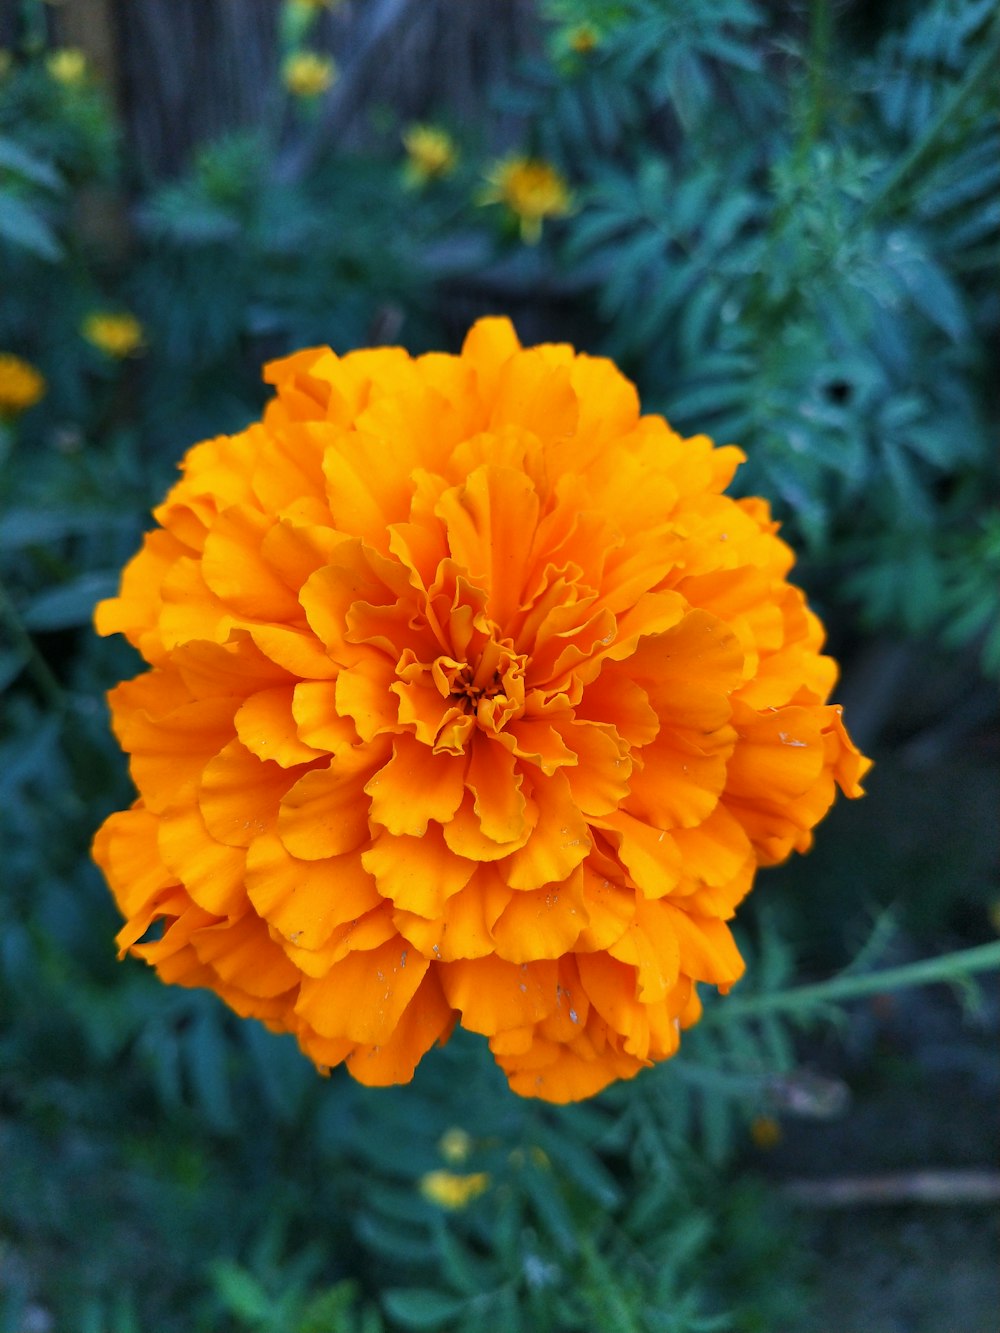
491,690
446,700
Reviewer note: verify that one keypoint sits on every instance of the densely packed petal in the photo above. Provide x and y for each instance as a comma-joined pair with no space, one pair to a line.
472,698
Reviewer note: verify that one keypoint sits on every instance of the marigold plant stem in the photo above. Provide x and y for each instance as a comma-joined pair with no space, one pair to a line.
40,670
951,967
820,33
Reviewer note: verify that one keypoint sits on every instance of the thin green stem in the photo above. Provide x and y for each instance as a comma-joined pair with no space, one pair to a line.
44,678
980,69
950,967
820,34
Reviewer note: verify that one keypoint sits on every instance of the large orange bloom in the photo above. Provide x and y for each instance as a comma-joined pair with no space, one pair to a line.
471,696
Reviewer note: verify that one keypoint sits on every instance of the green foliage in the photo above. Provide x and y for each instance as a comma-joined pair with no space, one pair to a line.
53,139
790,242
780,294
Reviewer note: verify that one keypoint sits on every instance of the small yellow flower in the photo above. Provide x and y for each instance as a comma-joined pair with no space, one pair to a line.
6,60
454,1146
583,39
531,189
308,74
117,335
449,1190
765,1132
431,152
67,66
21,385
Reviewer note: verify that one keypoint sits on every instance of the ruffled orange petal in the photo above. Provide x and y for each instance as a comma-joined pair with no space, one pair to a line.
427,1019
234,568
419,874
559,840
305,901
170,752
125,849
609,908
649,855
243,955
495,784
318,724
415,786
490,520
611,989
239,794
707,949
492,995
464,926
464,835
363,996
361,934
650,945
211,872
266,726
365,699
599,782
325,813
488,346
541,923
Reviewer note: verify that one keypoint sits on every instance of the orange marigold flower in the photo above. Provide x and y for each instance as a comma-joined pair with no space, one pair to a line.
472,697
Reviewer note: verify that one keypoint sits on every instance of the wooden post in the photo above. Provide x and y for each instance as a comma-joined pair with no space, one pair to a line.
89,26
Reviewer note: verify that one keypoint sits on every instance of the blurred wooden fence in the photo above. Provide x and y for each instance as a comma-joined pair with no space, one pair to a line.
182,71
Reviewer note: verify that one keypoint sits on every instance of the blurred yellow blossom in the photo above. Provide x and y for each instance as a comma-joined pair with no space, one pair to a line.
765,1132
116,335
21,385
6,60
449,1190
315,5
67,66
308,74
531,189
431,154
454,1146
583,39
